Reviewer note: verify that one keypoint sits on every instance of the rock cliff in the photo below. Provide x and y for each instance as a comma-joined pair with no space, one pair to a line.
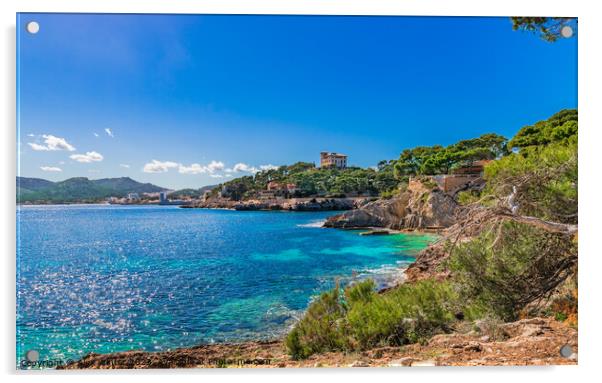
419,207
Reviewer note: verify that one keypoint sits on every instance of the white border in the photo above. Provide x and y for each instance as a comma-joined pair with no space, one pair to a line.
590,39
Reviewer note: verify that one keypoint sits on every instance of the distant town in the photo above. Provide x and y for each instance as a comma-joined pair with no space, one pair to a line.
274,189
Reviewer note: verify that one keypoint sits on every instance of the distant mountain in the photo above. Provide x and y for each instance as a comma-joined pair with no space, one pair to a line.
32,184
126,183
79,189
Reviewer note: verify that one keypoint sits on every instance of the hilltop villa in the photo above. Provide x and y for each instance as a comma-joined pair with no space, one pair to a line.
336,160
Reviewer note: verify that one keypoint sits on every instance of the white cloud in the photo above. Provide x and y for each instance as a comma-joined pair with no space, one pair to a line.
88,157
195,168
31,135
215,165
159,166
95,134
109,132
214,168
51,169
35,146
192,169
242,167
125,166
52,143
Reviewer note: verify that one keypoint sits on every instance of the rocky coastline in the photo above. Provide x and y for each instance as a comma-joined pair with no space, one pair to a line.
418,208
534,341
292,204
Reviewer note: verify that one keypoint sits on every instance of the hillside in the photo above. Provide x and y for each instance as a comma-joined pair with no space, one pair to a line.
191,193
32,184
78,189
311,181
384,180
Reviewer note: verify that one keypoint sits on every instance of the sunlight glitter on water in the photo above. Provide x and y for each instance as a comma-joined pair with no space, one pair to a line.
109,278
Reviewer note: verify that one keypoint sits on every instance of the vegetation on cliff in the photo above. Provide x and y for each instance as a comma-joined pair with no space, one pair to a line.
437,159
311,181
502,271
385,180
512,253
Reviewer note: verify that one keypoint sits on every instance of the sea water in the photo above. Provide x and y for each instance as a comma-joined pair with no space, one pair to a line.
106,278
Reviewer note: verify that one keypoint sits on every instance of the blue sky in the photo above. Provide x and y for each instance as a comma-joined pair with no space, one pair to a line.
187,100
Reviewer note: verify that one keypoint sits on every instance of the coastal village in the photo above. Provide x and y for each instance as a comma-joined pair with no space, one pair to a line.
283,196
160,198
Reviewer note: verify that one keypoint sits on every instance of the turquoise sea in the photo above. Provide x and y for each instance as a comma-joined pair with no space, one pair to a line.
100,278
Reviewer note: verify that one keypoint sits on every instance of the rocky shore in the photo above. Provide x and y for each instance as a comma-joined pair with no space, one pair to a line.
292,204
418,208
535,341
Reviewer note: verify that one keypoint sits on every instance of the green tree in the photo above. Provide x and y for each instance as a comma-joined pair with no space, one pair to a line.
560,127
441,160
548,28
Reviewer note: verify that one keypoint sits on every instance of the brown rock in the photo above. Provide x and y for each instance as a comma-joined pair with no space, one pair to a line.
417,208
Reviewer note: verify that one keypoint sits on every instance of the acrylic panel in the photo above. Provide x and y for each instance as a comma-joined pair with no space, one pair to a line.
295,191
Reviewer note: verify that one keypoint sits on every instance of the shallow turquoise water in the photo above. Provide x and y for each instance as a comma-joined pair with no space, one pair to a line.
112,278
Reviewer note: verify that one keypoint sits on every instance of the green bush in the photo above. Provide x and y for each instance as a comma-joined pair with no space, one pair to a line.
362,292
467,197
388,194
362,319
320,330
407,314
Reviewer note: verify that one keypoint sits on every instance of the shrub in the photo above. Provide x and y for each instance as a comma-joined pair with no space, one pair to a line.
362,292
508,267
467,197
388,194
543,179
320,329
406,314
